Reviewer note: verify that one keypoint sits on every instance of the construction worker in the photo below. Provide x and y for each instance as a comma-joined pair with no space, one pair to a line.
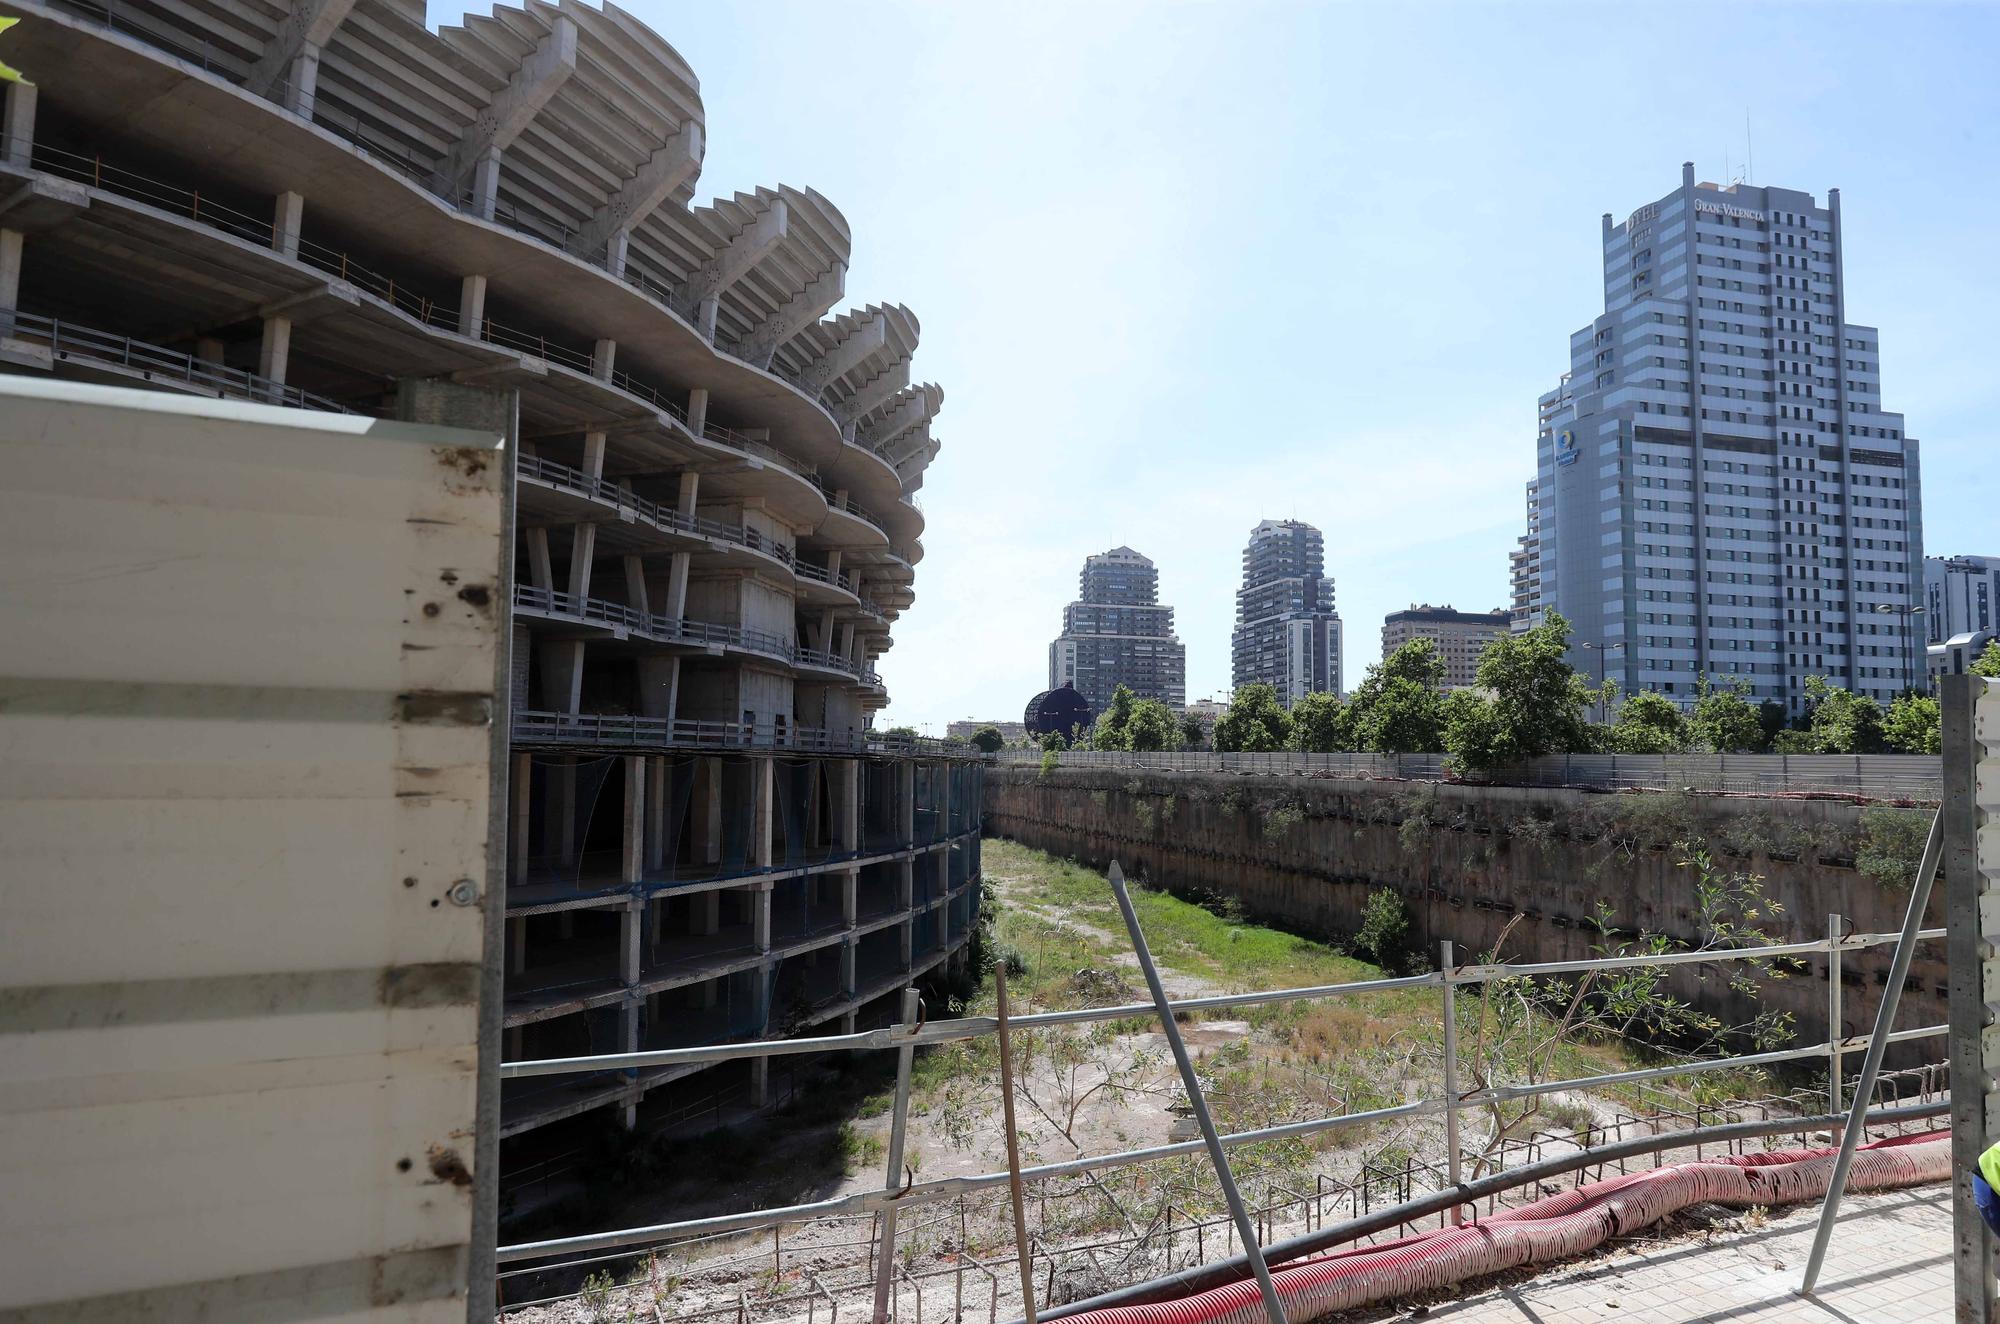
1985,1182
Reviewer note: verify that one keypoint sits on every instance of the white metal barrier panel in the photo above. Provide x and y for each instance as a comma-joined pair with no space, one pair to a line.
1971,812
249,660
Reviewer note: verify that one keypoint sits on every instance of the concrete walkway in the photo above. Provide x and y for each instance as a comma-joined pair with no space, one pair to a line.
1890,1263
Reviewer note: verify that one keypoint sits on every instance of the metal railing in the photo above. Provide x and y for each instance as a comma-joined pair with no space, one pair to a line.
613,730
920,1032
668,629
1916,777
68,342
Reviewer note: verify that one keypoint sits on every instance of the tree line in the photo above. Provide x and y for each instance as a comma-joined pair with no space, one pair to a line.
1528,702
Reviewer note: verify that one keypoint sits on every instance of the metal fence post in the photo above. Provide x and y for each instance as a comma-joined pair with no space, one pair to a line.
1220,1159
1835,1022
1878,1044
885,1250
1451,1160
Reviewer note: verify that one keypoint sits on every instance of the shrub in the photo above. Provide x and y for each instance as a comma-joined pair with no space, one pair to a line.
1892,844
1385,931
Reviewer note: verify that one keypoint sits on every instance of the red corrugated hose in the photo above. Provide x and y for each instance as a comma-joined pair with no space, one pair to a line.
1555,1228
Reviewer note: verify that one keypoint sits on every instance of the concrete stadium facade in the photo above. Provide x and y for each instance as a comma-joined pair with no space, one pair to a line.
334,207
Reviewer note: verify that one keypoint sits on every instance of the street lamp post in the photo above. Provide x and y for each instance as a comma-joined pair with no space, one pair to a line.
1903,637
1603,710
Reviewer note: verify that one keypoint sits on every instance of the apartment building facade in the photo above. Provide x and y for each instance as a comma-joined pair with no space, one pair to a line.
1719,490
1460,636
1287,631
1117,632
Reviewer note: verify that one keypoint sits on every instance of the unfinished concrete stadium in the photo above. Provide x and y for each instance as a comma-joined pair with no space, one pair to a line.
320,205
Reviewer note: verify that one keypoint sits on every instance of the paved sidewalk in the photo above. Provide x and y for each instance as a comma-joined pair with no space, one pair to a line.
1890,1263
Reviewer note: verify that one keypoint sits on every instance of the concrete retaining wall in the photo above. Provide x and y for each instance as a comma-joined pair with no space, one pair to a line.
1305,853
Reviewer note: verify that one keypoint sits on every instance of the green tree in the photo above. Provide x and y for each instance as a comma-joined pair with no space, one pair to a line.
1723,722
1914,725
1152,726
988,740
1649,723
1399,706
1532,703
1053,742
1843,722
1319,724
1988,663
1255,723
1110,731
1194,733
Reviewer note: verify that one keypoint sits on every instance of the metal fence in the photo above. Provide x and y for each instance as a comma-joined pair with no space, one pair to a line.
915,1031
1914,777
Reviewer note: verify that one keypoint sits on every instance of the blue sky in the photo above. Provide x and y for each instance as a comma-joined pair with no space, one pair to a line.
1182,267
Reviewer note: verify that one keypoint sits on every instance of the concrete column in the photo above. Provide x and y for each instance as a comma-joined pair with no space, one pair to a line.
760,1082
760,1067
603,356
10,277
847,950
18,125
703,995
705,316
760,916
677,586
635,586
485,185
562,805
287,214
689,492
656,814
847,641
847,830
615,249
850,1022
631,945
633,856
593,448
562,674
472,307
763,795
209,349
541,572
697,410
516,1044
906,803
582,551
705,811
273,355
833,563
520,789
302,82
850,897
517,944
705,914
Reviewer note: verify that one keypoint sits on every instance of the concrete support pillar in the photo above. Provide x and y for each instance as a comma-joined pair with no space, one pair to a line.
697,410
541,571
656,814
675,607
847,642
688,494
603,357
847,806
520,791
562,809
287,214
632,856
847,950
631,942
850,897
850,1022
472,307
635,586
705,914
273,355
517,944
10,278
705,811
906,803
485,185
17,127
760,1082
833,563
562,674
615,250
763,796
760,1067
302,82
705,316
593,448
209,349
760,916
582,552
515,1044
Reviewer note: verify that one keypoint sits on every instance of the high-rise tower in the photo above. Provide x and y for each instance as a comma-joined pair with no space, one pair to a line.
1117,633
1719,489
1287,633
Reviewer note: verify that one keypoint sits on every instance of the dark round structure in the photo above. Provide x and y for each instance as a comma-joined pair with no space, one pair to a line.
1062,710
